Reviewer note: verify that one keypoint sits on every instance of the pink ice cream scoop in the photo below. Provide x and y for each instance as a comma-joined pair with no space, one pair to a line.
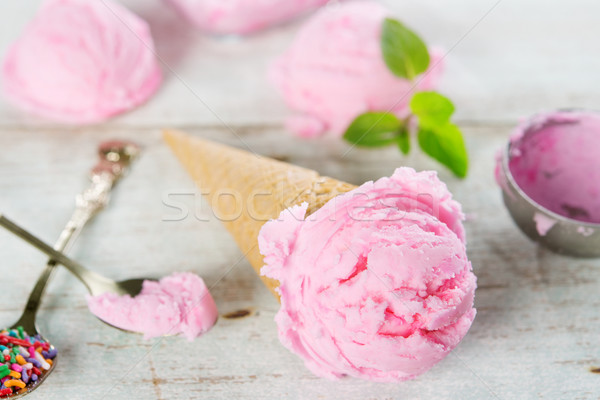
177,304
334,71
376,284
241,16
81,61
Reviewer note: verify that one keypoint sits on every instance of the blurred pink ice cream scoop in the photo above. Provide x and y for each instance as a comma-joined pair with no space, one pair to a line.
81,61
242,16
335,71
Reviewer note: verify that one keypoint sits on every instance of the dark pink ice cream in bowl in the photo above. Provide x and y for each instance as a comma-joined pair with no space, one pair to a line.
550,178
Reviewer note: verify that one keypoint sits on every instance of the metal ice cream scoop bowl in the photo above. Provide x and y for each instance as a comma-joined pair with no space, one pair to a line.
554,198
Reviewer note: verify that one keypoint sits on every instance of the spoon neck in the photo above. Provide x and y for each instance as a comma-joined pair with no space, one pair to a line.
96,283
27,319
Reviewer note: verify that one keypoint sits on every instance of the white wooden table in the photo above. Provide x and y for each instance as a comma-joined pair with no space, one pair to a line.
537,331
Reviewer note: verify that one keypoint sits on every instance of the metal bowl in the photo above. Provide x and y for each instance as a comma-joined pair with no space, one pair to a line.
565,236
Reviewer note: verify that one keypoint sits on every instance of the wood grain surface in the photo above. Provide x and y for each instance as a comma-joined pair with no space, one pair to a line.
536,334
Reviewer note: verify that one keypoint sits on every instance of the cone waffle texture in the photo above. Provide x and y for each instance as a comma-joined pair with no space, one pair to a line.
246,190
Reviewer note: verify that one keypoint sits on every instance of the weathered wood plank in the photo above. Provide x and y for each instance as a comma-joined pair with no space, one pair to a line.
535,335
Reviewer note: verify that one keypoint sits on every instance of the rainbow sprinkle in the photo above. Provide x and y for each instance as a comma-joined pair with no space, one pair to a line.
24,361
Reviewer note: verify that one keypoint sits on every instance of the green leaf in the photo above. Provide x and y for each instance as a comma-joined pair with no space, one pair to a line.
404,52
431,108
446,145
404,141
374,129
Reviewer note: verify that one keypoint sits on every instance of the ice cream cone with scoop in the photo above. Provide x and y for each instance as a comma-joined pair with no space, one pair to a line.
374,281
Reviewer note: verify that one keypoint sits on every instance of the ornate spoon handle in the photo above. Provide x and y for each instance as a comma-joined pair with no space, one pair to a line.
115,157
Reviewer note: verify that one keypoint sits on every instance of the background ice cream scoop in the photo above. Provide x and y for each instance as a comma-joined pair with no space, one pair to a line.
81,61
376,284
241,16
334,70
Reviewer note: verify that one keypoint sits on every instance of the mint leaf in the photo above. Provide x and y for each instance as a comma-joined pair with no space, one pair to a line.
404,52
374,129
404,141
445,144
431,108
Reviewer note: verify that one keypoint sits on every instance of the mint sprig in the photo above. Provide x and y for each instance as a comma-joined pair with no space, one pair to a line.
437,136
377,129
431,108
404,52
404,140
374,129
445,144
406,56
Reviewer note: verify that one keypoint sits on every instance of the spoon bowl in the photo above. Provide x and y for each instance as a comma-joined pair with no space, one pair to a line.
132,286
30,388
27,323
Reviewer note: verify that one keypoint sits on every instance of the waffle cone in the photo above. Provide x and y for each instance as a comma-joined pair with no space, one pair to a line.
246,190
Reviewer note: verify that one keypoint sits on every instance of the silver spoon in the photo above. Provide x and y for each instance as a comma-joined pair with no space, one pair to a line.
95,283
114,158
